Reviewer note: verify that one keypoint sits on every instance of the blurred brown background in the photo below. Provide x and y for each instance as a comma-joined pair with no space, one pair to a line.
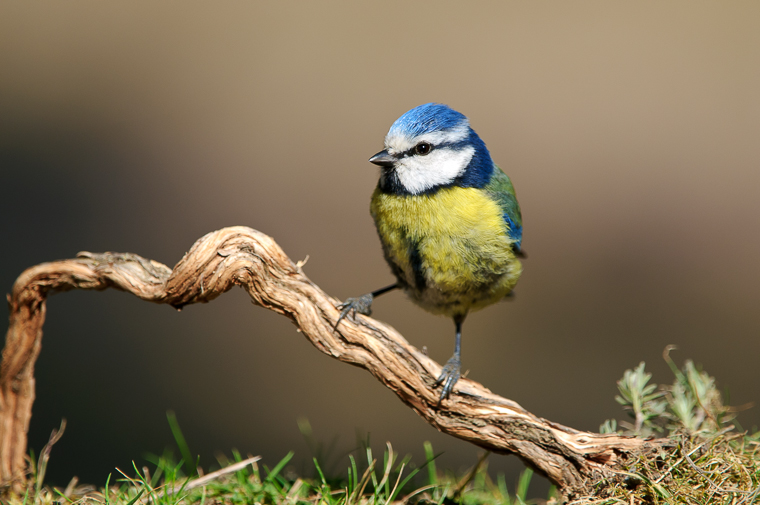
631,131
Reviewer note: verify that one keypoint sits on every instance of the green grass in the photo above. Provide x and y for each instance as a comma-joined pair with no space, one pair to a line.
709,460
367,481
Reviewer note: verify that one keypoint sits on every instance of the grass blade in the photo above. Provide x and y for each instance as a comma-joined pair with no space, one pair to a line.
184,449
430,457
523,484
284,461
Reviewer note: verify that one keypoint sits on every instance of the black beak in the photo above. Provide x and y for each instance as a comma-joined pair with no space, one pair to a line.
383,159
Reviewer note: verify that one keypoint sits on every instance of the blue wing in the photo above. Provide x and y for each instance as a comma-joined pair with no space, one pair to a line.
515,230
501,189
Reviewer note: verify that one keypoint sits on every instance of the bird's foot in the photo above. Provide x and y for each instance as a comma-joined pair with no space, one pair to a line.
362,305
449,376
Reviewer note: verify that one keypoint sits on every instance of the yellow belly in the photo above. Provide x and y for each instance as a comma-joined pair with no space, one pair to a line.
450,250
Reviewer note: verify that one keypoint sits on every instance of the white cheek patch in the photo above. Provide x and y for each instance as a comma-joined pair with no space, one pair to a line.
400,143
440,167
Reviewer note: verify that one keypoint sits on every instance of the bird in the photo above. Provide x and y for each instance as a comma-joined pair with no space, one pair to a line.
448,221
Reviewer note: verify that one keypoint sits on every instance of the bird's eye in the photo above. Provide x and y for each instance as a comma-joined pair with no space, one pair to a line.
423,148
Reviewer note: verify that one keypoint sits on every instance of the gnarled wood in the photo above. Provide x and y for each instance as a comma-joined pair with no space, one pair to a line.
240,256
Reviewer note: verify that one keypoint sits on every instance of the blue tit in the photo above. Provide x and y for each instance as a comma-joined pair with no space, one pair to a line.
448,221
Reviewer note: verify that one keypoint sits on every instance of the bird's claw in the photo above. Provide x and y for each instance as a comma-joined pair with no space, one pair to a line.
361,305
449,376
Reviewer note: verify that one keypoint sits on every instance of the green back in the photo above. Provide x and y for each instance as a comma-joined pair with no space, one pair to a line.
502,191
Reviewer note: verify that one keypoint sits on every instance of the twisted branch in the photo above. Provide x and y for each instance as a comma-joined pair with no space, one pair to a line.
240,256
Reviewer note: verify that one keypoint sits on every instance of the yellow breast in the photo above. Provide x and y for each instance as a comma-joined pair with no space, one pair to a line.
458,235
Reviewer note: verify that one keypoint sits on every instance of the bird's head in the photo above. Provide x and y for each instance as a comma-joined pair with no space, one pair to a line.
430,147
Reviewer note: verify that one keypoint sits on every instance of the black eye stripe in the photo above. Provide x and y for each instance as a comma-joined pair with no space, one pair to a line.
456,146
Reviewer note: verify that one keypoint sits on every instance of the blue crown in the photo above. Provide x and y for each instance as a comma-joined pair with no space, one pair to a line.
427,118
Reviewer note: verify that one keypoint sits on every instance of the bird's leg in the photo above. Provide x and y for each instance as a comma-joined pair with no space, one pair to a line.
453,368
362,304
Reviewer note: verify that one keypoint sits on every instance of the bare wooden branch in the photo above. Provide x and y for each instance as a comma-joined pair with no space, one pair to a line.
240,256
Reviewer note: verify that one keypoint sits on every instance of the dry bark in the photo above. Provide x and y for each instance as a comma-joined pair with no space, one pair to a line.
244,257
